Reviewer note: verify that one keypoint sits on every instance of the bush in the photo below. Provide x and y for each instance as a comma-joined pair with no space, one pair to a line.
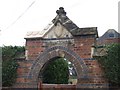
9,73
9,64
56,72
111,64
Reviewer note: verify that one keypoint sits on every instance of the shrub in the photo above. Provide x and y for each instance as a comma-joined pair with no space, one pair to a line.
56,72
111,64
9,64
9,72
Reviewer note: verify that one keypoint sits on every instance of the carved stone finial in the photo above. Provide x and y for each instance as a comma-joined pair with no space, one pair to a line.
61,11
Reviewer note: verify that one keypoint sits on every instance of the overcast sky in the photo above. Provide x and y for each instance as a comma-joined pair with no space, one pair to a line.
17,17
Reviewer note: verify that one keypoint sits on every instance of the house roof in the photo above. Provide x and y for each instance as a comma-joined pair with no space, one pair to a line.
111,33
67,23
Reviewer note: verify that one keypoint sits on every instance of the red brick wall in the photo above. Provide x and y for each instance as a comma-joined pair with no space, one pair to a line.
83,46
96,77
23,71
109,41
34,47
96,72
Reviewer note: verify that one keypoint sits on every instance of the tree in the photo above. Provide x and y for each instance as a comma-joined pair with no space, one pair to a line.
56,72
111,64
11,52
9,64
9,72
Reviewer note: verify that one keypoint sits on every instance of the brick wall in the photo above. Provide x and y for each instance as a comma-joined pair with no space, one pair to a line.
23,70
95,78
33,48
83,46
108,41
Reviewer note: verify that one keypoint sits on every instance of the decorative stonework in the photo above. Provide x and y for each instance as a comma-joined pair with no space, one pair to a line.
61,11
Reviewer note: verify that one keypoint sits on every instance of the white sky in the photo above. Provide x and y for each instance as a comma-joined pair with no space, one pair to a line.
84,13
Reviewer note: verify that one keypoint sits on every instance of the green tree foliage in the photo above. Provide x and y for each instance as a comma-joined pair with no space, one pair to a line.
111,64
10,52
9,73
56,72
9,64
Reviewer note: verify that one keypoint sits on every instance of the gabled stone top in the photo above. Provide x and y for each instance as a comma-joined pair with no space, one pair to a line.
72,27
66,23
64,20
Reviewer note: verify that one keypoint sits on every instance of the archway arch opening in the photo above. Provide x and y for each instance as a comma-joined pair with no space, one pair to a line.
58,70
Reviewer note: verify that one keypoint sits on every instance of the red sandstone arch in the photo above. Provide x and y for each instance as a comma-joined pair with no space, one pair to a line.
58,51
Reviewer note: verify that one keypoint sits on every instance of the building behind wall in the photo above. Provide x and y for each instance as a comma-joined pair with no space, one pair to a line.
109,37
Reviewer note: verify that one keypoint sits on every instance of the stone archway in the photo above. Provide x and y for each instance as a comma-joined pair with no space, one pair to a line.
58,51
